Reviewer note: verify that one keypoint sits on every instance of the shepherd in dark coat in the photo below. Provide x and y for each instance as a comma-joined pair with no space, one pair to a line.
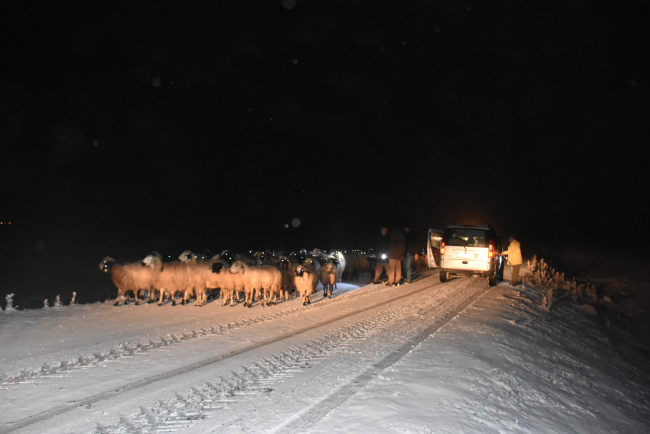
381,254
395,254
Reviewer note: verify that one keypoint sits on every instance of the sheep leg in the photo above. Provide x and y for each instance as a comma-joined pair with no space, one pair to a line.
201,298
264,297
162,297
120,296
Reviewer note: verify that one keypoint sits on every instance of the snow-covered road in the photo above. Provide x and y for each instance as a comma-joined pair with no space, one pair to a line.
336,365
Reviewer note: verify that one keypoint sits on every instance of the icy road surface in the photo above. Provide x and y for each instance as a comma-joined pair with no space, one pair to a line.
421,358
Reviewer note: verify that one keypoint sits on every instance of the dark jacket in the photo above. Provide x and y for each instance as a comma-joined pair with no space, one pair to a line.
382,244
396,247
409,245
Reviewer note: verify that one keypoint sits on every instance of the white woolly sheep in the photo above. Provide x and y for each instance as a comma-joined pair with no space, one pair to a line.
230,284
305,277
170,278
260,278
340,267
309,265
328,276
134,277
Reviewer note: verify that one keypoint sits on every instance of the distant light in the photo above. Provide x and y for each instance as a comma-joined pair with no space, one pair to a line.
295,223
95,143
286,225
294,61
156,82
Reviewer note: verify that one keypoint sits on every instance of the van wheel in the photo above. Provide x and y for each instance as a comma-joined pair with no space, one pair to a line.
444,276
492,280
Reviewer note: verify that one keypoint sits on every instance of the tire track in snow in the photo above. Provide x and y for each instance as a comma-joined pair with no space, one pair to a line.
339,396
260,378
98,358
66,408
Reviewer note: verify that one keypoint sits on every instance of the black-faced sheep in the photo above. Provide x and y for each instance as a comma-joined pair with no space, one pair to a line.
134,277
305,277
263,278
288,277
328,276
230,284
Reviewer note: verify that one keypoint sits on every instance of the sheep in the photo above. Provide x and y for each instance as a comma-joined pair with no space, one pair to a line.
351,265
257,279
132,277
305,275
198,267
334,259
316,264
310,266
198,275
187,256
338,255
328,276
422,263
295,258
170,278
288,277
229,283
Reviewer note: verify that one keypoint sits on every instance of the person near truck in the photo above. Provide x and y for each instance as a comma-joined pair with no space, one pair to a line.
410,253
514,258
395,255
381,254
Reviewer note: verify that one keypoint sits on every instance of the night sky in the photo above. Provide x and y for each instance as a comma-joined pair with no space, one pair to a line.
127,127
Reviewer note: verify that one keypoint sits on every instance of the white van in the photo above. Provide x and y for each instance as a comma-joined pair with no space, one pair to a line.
471,251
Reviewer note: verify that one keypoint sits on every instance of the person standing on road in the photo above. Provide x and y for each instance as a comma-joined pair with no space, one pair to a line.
514,258
395,255
409,254
381,254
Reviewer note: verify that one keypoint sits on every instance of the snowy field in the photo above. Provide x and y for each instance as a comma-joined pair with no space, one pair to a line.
420,358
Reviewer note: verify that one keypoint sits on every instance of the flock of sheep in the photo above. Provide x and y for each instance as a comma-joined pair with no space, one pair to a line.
263,276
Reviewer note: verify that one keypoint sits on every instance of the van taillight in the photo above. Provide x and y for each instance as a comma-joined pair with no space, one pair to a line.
442,248
491,250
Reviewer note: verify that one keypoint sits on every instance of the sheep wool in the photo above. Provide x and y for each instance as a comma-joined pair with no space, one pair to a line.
328,277
134,277
264,278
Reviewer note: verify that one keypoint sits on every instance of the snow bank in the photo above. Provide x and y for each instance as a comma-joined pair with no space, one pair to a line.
506,365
